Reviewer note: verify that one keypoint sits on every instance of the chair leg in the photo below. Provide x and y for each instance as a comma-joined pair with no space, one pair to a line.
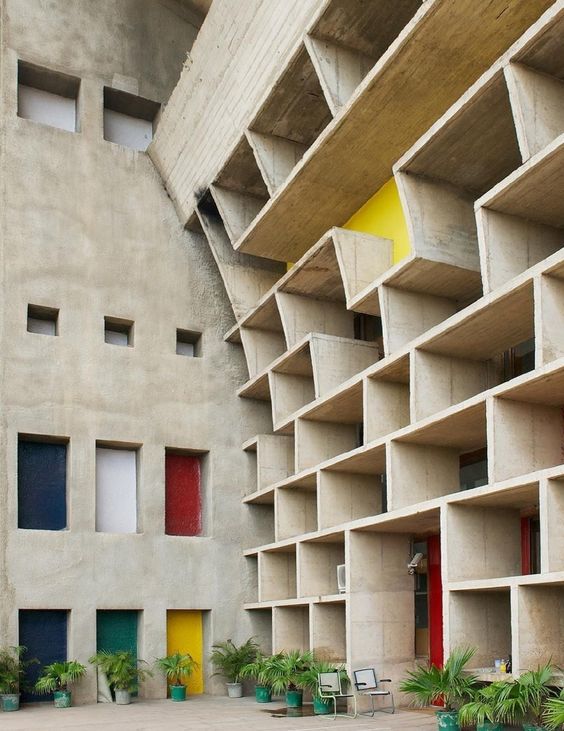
369,712
392,708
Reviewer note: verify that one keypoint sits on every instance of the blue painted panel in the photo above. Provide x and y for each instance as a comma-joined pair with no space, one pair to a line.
44,633
42,477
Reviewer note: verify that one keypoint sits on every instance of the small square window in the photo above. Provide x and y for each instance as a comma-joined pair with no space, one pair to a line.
118,331
47,96
188,343
129,119
42,320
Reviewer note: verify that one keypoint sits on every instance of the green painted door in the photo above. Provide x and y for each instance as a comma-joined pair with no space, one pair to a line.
116,629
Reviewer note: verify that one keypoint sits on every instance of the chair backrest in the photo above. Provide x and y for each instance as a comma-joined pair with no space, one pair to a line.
365,679
330,682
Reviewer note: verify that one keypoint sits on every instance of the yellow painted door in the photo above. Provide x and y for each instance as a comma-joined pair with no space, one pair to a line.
184,633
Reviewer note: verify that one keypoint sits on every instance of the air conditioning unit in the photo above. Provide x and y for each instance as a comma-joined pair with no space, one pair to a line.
341,578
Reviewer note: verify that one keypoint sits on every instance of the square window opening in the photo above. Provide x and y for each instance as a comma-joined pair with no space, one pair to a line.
129,120
42,320
48,97
188,343
118,331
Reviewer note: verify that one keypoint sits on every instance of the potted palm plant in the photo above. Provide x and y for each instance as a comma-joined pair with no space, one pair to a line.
450,685
229,660
308,680
260,671
123,671
554,712
284,673
177,668
524,700
56,678
484,709
12,673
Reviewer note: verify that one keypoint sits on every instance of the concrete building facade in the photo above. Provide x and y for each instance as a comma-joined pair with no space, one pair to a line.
335,275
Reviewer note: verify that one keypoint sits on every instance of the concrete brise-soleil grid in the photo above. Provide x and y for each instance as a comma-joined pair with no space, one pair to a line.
481,192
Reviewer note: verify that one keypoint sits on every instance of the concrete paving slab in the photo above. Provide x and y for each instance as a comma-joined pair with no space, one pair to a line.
202,713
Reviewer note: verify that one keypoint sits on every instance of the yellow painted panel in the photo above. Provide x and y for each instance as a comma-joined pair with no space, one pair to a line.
382,215
184,633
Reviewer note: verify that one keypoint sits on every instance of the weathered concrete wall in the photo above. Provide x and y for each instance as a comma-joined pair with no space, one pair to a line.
87,228
250,41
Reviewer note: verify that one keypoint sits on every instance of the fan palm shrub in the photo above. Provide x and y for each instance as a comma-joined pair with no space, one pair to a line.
177,668
260,671
56,678
284,673
484,708
123,670
452,685
229,660
12,675
553,716
524,700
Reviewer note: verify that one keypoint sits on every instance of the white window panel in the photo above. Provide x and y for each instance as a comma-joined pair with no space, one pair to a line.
185,349
43,327
127,131
116,490
42,106
116,337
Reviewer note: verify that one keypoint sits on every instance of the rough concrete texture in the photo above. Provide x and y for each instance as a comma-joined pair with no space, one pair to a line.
199,714
87,228
257,37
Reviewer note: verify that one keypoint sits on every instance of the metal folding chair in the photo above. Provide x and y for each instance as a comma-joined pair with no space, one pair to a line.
366,683
330,688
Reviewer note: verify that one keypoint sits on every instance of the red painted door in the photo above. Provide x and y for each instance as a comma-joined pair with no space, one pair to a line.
183,499
435,601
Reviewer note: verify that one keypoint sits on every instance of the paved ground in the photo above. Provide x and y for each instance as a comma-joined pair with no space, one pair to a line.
199,714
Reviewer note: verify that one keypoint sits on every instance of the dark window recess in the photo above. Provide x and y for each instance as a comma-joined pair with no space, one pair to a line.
183,498
42,477
473,469
384,493
44,633
118,331
189,343
42,320
530,545
535,545
369,328
421,602
359,435
519,359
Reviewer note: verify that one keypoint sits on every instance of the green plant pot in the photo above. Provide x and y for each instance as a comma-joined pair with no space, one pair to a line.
62,698
263,694
321,707
294,698
448,720
10,701
488,726
532,727
178,692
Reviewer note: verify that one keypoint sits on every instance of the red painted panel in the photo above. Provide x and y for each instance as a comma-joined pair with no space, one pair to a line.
525,546
435,600
183,499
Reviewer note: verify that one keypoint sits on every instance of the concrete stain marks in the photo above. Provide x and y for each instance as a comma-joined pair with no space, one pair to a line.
201,713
